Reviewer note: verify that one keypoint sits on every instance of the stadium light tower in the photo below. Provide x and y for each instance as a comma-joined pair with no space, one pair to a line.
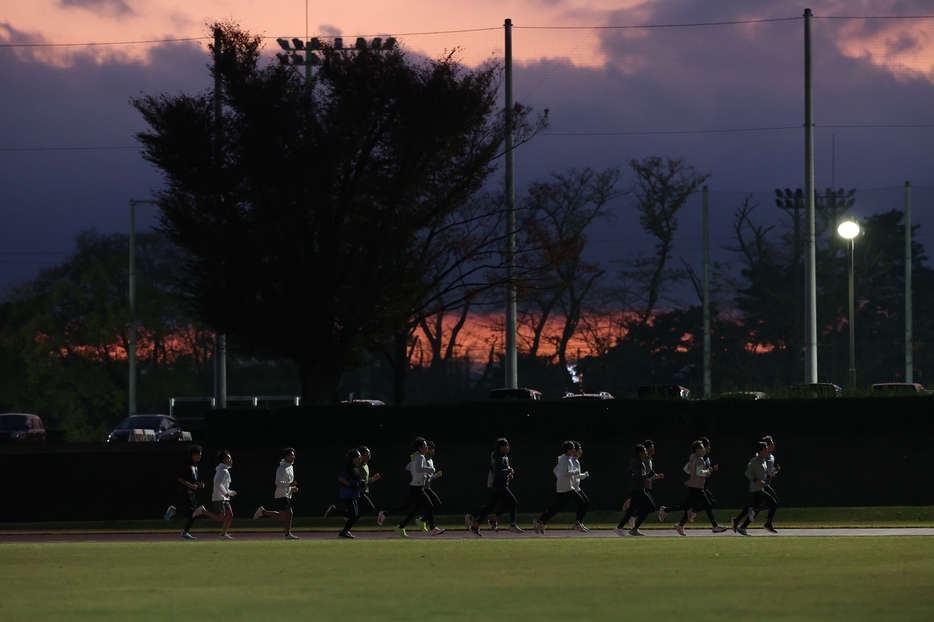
849,230
307,54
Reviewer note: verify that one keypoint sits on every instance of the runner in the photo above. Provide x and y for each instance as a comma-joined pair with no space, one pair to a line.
565,471
710,501
429,525
285,488
501,495
698,472
222,493
417,498
583,501
189,484
756,472
641,503
351,483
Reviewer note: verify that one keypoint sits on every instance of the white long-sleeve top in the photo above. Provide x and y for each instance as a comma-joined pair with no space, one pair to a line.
566,472
581,475
221,483
285,475
420,469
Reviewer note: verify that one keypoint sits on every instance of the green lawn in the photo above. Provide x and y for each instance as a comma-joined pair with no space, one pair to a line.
729,578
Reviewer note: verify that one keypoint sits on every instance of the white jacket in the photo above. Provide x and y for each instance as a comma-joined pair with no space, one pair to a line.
581,475
566,472
285,475
221,483
421,470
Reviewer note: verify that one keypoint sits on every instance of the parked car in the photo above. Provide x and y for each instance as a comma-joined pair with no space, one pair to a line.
816,389
602,395
21,428
163,427
667,391
515,394
364,402
743,395
898,388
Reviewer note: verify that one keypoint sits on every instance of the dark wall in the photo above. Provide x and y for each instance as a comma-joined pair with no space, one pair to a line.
833,452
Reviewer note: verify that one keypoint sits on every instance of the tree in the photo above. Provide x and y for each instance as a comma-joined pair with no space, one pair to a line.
662,187
66,332
300,208
556,215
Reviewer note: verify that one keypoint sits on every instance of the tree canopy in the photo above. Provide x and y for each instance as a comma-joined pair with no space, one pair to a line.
299,208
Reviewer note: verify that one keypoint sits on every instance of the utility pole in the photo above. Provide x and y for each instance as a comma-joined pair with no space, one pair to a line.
512,376
220,339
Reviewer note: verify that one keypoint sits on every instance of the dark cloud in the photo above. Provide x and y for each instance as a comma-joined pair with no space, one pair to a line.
728,98
118,8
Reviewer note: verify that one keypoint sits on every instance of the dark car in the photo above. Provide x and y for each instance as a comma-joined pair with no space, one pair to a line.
816,389
663,391
515,394
21,428
898,388
602,395
163,428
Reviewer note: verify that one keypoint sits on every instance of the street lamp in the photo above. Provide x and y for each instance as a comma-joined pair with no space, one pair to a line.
131,353
848,230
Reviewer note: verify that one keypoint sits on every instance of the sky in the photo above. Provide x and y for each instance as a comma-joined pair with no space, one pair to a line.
719,84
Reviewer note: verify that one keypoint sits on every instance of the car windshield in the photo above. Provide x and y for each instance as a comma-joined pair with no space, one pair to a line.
142,422
12,422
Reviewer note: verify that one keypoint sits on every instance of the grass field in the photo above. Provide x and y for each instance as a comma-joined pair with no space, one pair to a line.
761,579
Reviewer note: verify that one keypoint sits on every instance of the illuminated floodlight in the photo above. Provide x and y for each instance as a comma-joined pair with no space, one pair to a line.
848,230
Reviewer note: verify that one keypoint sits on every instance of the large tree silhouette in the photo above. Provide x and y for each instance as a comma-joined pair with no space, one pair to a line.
300,210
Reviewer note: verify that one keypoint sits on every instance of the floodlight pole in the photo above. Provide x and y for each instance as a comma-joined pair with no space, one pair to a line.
909,363
220,339
810,256
706,301
512,376
131,349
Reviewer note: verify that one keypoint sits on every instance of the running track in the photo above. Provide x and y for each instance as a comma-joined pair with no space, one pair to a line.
455,533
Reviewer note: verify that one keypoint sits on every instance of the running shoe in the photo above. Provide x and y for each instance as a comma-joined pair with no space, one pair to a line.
691,515
188,536
291,536
752,513
350,536
768,527
741,531
437,531
225,536
493,524
620,532
733,524
580,527
259,512
719,529
476,531
680,529
516,529
662,513
381,517
635,532
541,527
169,513
421,524
198,511
468,521
401,532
